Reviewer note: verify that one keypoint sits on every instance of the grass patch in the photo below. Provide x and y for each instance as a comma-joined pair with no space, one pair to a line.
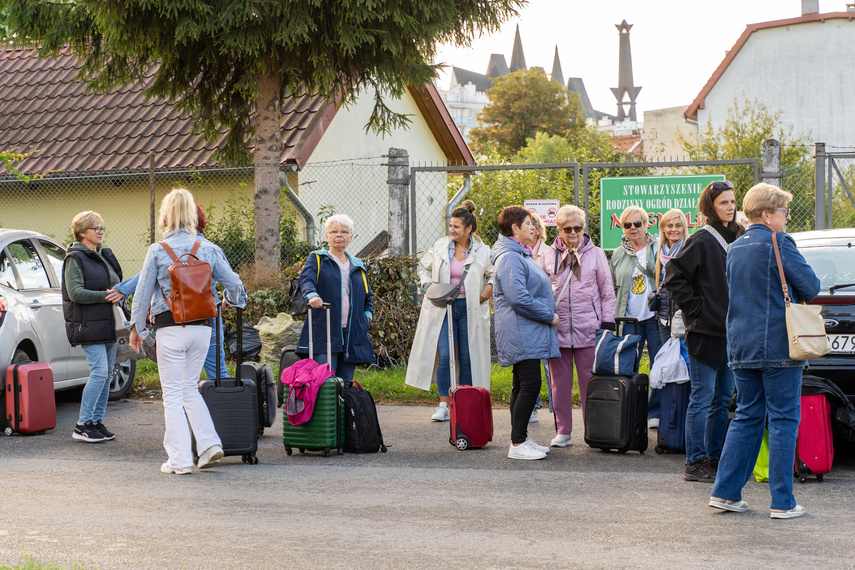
30,563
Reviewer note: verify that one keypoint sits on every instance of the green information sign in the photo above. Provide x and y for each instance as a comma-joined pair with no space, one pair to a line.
656,194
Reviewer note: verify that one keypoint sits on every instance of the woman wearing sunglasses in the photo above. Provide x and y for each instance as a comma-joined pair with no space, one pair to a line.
633,267
697,282
583,306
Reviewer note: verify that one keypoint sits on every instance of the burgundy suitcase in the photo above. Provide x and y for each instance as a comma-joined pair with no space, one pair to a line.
814,446
470,408
30,402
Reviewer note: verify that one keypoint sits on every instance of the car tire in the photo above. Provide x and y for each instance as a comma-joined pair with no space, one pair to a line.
122,379
20,356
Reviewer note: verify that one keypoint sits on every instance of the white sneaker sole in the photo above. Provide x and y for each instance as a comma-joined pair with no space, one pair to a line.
206,461
80,437
787,514
177,471
567,443
739,507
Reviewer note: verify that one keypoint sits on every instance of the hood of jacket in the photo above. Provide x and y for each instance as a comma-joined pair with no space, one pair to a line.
505,245
355,262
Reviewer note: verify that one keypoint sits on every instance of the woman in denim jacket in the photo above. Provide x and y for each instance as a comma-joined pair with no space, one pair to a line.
768,383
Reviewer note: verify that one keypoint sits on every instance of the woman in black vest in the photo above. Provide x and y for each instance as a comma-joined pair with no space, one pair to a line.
90,272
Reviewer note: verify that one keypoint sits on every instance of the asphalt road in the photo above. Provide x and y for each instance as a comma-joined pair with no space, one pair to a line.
421,505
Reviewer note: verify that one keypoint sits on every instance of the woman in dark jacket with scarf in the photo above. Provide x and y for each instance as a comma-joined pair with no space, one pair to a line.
90,271
697,282
330,275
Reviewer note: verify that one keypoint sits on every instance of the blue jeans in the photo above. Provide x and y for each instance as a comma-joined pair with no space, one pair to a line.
211,358
93,404
461,337
342,369
772,391
706,416
649,331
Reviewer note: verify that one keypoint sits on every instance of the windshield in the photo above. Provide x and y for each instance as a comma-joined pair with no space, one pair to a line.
833,265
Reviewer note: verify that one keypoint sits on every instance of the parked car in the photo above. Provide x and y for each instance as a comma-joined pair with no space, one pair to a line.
32,326
831,254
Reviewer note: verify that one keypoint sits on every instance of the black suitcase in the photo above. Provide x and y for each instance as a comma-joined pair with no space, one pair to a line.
266,397
233,403
361,426
616,411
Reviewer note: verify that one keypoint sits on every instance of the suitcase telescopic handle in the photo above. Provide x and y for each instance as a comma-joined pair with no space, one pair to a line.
628,320
326,307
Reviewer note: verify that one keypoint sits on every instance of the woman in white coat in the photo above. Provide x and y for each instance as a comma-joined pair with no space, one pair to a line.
444,263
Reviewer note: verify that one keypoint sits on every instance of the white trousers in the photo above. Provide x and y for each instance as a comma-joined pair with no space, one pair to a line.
181,353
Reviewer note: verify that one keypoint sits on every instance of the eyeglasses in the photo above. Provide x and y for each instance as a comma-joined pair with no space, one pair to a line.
785,212
722,185
636,223
573,229
98,229
344,233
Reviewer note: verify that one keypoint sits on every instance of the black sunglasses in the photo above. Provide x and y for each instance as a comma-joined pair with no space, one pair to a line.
722,185
636,223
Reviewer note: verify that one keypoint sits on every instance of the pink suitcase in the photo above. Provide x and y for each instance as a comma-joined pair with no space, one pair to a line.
814,446
30,402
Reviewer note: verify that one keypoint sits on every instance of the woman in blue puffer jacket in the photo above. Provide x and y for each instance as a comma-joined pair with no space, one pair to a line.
526,323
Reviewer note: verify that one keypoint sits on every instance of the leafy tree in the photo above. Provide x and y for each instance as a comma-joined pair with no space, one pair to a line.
230,63
523,104
747,127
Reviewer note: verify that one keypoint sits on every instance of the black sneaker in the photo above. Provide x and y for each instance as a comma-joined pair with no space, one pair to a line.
700,472
88,433
108,435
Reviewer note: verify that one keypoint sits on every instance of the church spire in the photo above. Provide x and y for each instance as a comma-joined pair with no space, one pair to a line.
517,57
557,75
626,93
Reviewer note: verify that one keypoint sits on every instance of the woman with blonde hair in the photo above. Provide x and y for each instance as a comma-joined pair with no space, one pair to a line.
90,271
182,347
584,297
768,382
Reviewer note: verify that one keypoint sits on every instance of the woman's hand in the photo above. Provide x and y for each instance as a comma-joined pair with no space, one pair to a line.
555,320
136,341
114,296
316,302
487,293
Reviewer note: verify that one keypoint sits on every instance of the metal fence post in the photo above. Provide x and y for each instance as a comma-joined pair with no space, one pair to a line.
398,182
771,163
819,198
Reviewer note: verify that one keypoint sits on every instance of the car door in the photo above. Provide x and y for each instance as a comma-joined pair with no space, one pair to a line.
78,366
44,305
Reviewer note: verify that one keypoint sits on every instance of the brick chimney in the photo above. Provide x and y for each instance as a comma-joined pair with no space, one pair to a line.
810,7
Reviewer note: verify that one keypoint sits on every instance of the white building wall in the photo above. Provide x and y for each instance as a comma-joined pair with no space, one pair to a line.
347,172
660,134
804,70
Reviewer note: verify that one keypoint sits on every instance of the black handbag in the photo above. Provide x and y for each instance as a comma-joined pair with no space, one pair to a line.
653,301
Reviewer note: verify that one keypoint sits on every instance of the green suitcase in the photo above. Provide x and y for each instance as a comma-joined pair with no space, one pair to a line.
325,430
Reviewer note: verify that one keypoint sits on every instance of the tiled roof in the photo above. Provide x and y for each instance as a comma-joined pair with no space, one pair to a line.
46,112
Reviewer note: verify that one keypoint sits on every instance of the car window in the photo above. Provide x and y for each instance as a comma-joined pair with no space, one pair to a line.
30,268
56,256
833,265
7,275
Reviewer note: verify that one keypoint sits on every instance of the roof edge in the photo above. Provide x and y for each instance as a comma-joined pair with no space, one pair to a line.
441,125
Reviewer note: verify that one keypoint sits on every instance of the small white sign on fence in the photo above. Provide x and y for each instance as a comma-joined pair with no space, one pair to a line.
546,209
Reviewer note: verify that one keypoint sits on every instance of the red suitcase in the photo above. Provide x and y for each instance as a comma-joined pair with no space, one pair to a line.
30,402
470,409
814,446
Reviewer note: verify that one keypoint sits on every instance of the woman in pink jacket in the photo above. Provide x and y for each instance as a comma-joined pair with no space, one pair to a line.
586,304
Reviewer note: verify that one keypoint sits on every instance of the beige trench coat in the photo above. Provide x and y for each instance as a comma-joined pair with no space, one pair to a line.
434,267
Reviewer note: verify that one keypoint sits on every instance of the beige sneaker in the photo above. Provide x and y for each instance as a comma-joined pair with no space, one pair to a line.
561,440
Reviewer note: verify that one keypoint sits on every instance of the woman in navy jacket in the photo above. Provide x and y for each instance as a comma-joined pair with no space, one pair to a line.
768,383
334,276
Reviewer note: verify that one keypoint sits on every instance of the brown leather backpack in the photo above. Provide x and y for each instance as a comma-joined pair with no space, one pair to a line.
191,297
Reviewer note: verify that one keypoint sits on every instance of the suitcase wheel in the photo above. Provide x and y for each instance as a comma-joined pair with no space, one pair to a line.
250,459
819,477
326,452
287,450
302,450
340,451
462,443
8,431
658,450
802,478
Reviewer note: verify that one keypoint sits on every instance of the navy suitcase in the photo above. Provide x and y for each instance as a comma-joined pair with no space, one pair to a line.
672,421
233,403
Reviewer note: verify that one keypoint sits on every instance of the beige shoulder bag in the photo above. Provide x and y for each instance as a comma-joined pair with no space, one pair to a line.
805,329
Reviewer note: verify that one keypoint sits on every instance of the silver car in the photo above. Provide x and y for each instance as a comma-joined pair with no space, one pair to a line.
32,326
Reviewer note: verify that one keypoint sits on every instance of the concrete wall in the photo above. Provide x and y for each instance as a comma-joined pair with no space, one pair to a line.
660,134
804,70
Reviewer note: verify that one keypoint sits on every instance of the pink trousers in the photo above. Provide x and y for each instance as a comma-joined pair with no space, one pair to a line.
561,378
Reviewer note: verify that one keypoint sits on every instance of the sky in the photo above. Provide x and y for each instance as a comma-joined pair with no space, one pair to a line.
676,44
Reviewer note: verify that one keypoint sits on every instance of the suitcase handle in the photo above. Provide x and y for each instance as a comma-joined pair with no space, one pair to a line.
627,320
326,307
218,319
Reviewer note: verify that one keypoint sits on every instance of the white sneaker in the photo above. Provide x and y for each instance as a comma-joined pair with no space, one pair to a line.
524,451
653,423
165,468
561,440
441,414
533,444
796,511
533,419
210,457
